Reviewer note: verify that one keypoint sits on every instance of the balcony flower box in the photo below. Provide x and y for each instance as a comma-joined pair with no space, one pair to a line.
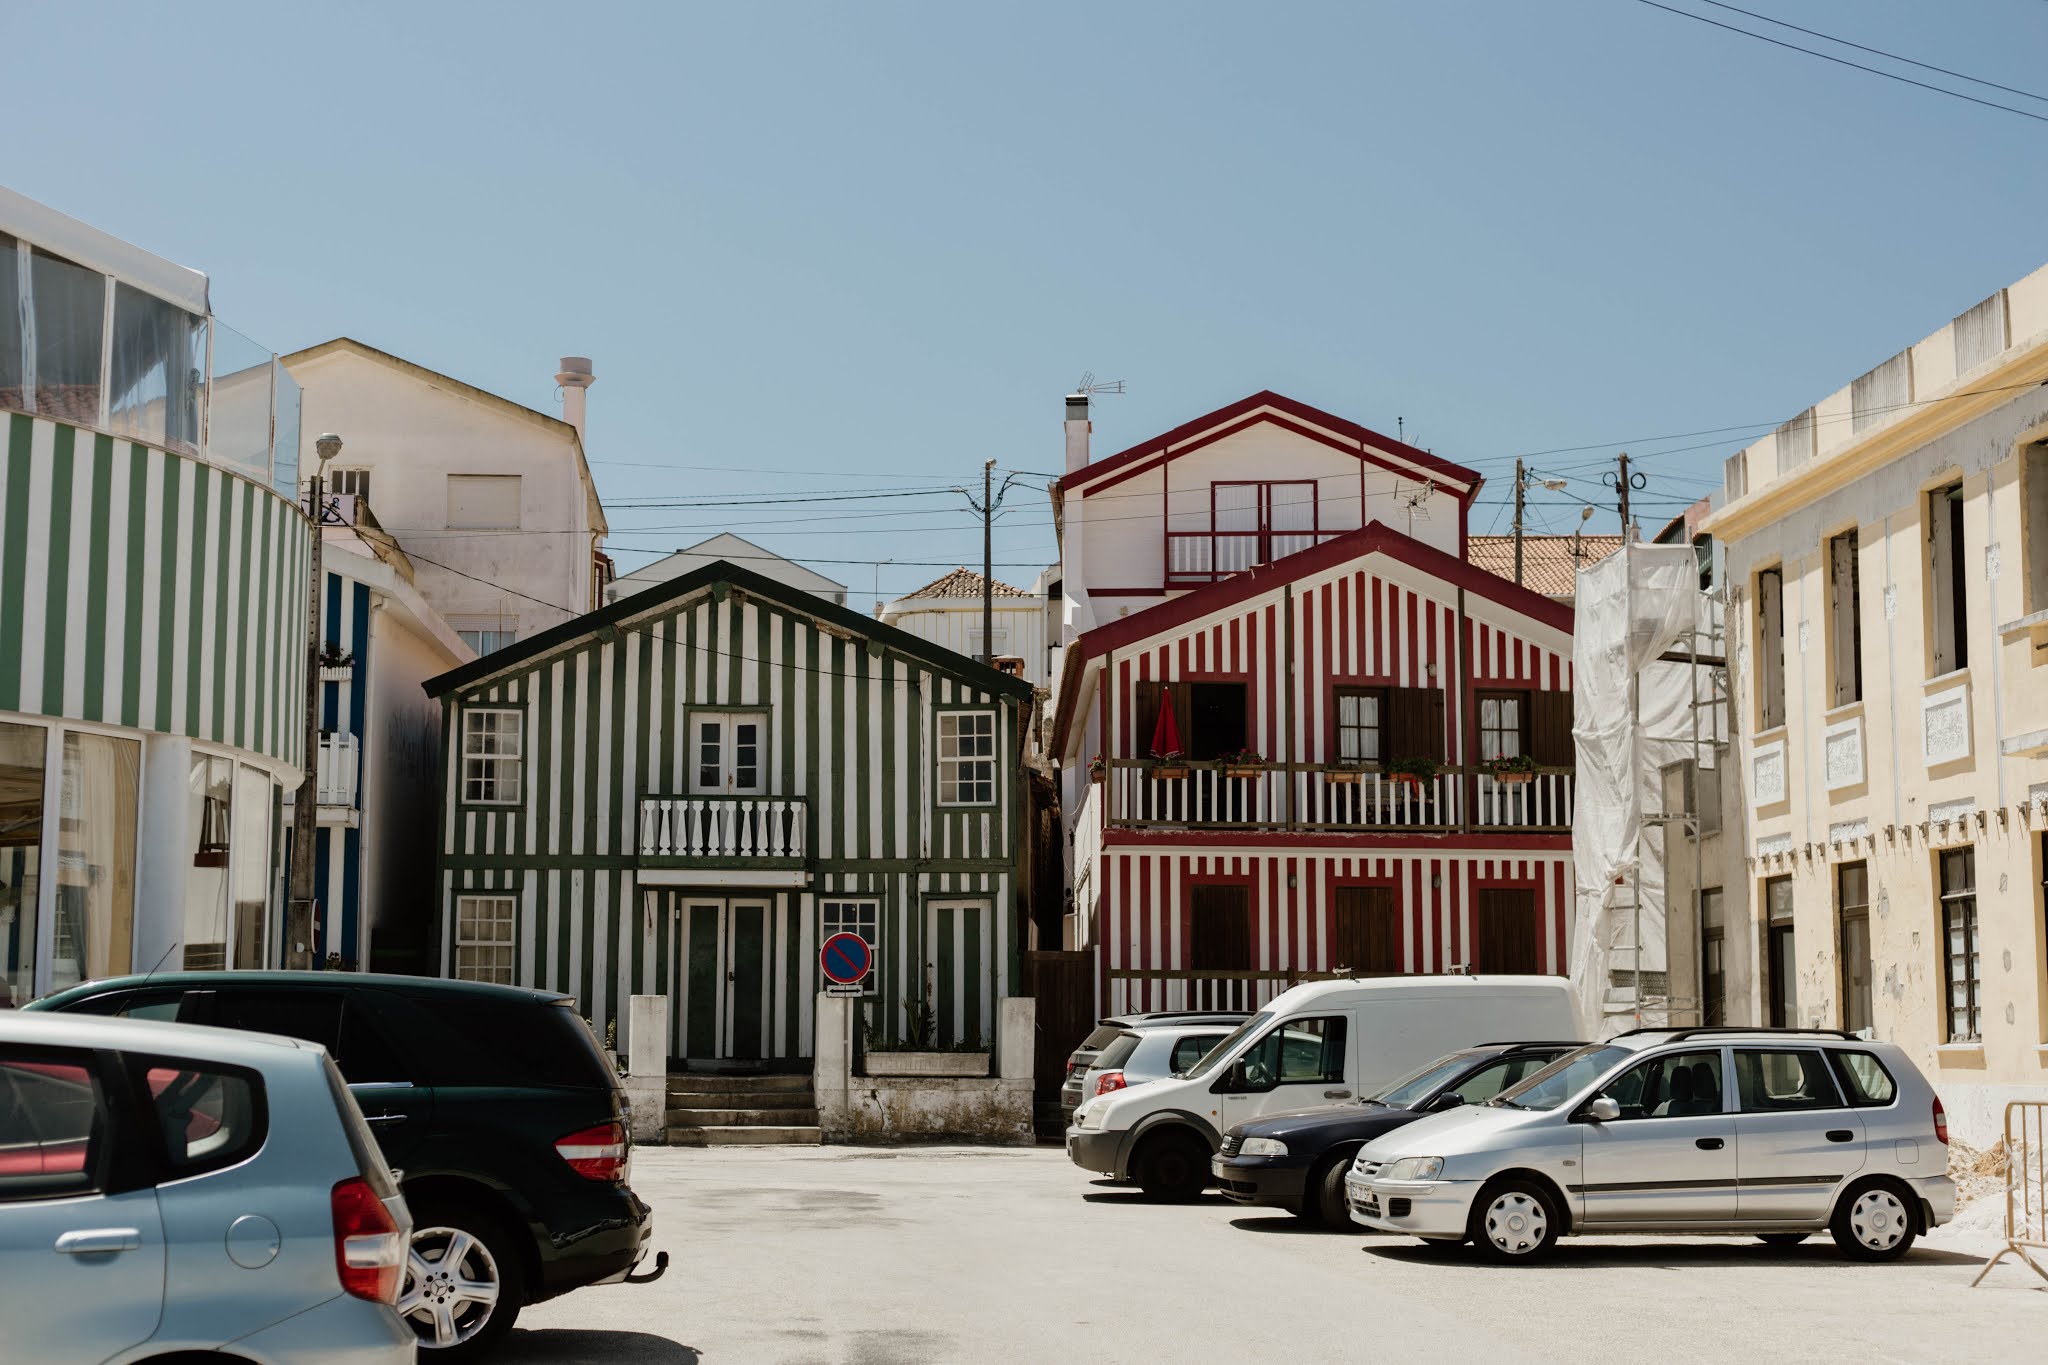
1341,777
1244,763
1413,771
1511,772
944,1064
1167,767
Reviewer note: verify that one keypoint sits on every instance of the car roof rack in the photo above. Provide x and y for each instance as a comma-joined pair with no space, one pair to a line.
1682,1031
1534,1042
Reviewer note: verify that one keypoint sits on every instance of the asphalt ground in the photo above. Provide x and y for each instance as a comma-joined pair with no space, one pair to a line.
873,1256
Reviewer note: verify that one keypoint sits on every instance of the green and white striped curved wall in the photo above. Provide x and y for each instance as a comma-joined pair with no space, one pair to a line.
851,727
150,590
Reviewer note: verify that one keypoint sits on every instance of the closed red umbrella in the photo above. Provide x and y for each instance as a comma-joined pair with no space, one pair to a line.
1166,734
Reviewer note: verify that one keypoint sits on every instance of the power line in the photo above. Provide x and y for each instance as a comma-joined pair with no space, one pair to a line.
1843,61
1878,51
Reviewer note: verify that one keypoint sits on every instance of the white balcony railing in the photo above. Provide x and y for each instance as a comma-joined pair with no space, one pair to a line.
1329,798
725,827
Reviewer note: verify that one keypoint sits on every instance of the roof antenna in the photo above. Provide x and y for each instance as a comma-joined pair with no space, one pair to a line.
1412,498
1401,430
1091,387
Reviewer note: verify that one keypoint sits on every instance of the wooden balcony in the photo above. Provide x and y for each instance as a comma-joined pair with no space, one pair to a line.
1318,797
725,831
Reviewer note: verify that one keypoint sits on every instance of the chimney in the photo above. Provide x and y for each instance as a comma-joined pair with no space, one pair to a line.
1078,427
575,377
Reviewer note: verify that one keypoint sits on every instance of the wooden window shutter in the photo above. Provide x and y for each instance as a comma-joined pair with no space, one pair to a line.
1220,928
1364,932
1415,723
1550,729
1506,932
1145,715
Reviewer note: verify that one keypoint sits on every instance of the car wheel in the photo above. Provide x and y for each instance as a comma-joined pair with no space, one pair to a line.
1781,1239
1873,1222
1173,1166
1323,1199
464,1282
1515,1220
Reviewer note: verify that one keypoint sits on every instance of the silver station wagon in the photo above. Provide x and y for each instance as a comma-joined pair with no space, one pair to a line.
1778,1133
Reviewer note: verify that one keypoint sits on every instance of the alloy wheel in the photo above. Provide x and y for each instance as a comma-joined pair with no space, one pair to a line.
1879,1219
1516,1222
451,1287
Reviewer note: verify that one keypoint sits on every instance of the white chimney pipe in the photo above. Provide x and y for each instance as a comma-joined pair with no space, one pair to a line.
1076,615
1078,427
575,378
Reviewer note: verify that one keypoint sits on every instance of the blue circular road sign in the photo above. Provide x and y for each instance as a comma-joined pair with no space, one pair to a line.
846,959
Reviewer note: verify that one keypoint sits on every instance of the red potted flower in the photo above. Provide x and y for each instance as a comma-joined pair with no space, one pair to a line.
1511,770
1244,763
1413,771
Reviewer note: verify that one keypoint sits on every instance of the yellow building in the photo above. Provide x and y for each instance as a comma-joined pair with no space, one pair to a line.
1887,565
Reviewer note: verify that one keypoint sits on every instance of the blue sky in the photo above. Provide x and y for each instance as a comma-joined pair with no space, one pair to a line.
845,247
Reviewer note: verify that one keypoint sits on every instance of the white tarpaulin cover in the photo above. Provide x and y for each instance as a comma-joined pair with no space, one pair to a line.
1632,716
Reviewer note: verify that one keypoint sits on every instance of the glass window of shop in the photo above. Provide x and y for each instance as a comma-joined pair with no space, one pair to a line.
95,902
24,753
66,323
255,815
157,371
11,371
210,810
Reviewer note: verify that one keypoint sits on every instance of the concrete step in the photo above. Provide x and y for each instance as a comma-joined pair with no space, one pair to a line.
746,1118
740,1099
805,1136
695,1083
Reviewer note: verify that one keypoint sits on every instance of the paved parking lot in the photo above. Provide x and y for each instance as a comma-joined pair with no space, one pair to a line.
866,1256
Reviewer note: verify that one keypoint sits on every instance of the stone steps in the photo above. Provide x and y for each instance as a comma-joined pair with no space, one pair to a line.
748,1136
739,1099
707,1082
792,1117
706,1109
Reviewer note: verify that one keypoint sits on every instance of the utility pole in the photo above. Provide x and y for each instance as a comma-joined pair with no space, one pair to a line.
298,930
1621,487
988,565
1521,487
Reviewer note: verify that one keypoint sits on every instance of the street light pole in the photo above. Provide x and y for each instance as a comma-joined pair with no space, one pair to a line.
298,948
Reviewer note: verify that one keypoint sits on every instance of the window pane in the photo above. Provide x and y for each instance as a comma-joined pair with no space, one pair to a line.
1868,1081
69,304
1677,1086
1787,1079
207,1119
96,847
53,1125
238,431
159,372
11,395
22,761
211,800
255,811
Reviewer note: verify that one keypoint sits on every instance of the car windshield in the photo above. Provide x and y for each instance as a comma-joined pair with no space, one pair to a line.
1214,1057
1118,1052
1563,1078
1418,1086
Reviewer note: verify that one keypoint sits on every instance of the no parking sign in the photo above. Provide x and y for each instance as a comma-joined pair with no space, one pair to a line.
846,960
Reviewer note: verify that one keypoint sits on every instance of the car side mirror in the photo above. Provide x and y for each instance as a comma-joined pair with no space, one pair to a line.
1603,1110
1449,1099
1235,1079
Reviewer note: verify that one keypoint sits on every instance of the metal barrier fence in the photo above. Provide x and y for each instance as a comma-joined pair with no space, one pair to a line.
2026,1186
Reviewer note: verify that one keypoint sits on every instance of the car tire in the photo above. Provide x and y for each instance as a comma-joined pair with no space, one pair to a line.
1515,1220
1781,1239
1323,1200
1874,1221
1172,1167
454,1326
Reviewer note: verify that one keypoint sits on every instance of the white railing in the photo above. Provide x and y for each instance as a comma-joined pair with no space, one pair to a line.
1084,874
1215,794
339,769
724,827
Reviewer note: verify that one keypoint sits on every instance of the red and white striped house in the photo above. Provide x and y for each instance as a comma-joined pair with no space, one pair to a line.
1281,597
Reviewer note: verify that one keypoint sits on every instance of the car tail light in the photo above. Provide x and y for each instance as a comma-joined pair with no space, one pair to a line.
369,1252
1108,1081
596,1153
1940,1121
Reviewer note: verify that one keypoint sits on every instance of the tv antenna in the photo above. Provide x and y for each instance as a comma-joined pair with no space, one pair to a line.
1417,498
1090,386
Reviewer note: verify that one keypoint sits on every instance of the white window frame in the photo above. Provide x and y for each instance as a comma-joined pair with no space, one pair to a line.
479,766
855,915
503,909
728,725
952,767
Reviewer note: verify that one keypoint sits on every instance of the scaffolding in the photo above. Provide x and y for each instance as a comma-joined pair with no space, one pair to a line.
1650,677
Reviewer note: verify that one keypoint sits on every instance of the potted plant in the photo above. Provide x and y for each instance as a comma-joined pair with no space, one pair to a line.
1244,763
1095,768
1344,775
1511,769
1168,766
336,663
1413,771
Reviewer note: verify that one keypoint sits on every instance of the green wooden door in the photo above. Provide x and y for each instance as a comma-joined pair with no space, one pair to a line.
704,979
725,979
745,977
960,967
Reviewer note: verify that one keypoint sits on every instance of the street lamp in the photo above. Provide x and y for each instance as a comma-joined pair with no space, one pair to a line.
298,929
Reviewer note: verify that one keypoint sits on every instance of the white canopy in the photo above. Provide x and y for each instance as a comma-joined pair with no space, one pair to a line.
23,217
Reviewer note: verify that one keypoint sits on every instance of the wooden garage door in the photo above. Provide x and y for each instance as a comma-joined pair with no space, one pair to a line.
1365,937
1507,936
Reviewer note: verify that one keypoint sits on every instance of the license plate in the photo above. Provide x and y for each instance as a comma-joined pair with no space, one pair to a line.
1370,1206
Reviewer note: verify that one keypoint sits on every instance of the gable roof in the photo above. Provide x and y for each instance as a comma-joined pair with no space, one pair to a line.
1279,410
788,597
1549,565
350,346
961,583
758,553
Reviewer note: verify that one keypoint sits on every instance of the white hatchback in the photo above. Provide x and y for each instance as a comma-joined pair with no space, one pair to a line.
1778,1133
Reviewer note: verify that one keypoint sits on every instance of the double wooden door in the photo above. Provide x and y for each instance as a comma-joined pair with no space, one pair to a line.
725,976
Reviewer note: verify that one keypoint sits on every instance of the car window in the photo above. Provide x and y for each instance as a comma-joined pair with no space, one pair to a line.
208,1115
157,1004
1563,1078
1865,1078
485,1041
1496,1076
1215,1055
1102,1037
1674,1086
1299,1051
53,1124
1191,1049
366,1054
312,1015
1118,1052
1771,1079
1418,1086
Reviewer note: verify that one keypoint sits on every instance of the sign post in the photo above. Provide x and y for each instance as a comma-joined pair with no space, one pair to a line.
846,960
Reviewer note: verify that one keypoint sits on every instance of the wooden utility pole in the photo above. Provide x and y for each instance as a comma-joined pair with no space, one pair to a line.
1521,488
1621,487
988,567
298,931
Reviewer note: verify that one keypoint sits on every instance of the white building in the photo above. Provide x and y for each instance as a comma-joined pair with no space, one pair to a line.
493,502
733,550
948,611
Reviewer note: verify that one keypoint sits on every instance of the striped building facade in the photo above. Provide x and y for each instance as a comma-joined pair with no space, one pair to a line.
684,792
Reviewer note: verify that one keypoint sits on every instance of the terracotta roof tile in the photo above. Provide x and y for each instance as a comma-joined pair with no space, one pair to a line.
963,583
1548,565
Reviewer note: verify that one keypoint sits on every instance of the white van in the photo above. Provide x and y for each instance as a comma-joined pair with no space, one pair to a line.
1318,1044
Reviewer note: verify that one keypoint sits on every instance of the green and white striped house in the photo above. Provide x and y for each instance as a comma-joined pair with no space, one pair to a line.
684,792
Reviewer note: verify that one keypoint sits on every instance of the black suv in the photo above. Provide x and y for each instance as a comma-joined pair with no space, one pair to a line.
509,1127
1298,1161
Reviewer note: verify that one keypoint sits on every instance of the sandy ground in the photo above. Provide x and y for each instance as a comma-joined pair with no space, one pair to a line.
865,1256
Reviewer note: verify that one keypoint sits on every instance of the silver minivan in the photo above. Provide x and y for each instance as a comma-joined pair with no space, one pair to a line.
168,1189
1779,1133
